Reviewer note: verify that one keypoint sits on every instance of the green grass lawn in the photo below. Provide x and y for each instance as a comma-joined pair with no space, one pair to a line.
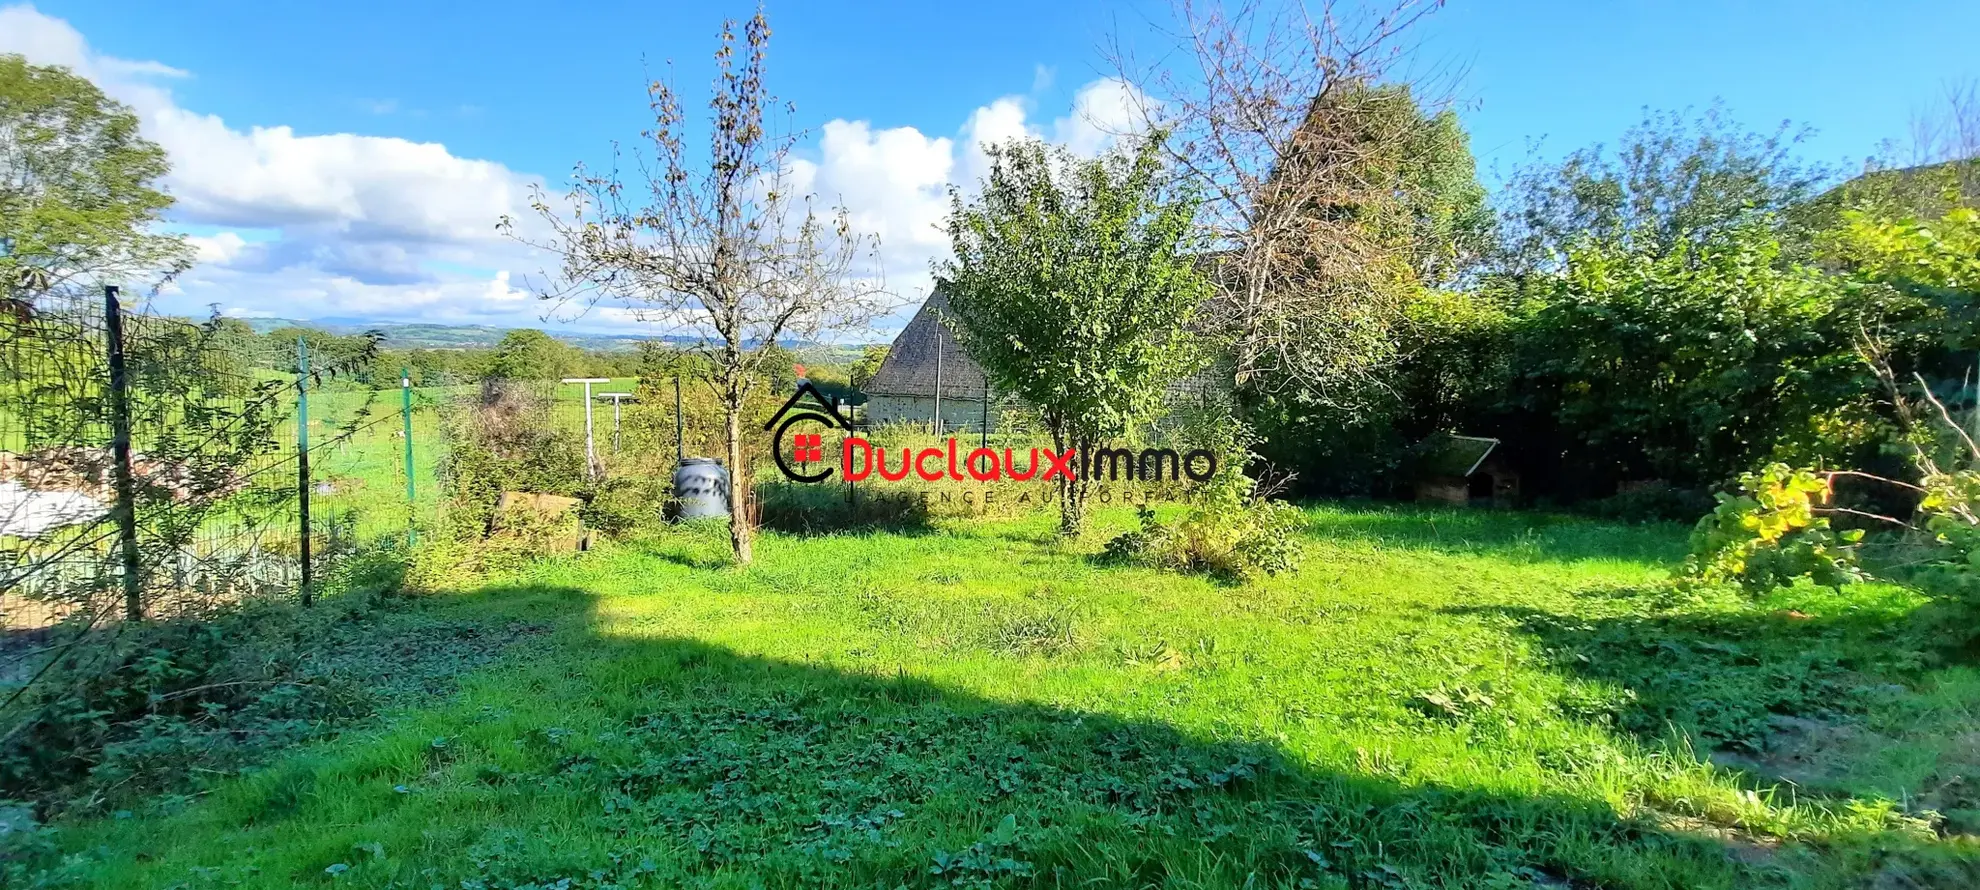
1437,699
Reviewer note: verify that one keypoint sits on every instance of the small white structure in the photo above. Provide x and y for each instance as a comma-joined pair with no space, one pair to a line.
26,513
590,449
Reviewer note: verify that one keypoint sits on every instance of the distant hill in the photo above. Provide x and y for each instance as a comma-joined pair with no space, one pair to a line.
455,336
468,336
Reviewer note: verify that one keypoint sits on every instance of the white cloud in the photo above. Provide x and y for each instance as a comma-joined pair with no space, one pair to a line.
219,249
384,228
361,223
1102,111
997,122
895,182
368,186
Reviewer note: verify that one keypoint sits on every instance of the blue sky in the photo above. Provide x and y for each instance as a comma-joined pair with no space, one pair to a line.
348,160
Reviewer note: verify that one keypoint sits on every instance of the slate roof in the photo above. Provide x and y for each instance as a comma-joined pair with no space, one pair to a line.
909,369
1447,454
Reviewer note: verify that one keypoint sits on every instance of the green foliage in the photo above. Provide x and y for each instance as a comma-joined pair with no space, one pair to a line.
1454,363
503,440
1773,532
1074,285
78,193
1673,315
1692,364
1447,221
175,705
1341,316
530,354
1222,536
1951,510
1670,179
1896,193
1653,502
1229,528
1913,285
623,504
868,365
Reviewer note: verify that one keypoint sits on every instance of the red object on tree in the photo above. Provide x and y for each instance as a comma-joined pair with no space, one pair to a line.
798,370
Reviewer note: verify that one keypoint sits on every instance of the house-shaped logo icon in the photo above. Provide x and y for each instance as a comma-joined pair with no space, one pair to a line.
807,446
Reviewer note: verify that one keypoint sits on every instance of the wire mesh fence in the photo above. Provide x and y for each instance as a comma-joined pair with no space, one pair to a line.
150,465
156,466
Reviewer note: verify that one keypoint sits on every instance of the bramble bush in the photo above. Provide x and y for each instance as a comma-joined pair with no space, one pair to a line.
1949,507
1771,533
1916,280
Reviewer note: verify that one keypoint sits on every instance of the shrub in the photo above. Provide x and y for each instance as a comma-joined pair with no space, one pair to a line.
1231,527
1950,505
122,714
504,440
1772,532
622,505
1653,503
170,706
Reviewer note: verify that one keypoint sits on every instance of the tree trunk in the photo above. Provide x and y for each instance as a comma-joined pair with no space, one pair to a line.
739,488
1072,492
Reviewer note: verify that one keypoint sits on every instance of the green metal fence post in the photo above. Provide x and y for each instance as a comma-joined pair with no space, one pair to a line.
302,457
405,408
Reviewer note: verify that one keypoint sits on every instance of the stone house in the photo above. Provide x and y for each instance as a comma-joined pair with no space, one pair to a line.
905,388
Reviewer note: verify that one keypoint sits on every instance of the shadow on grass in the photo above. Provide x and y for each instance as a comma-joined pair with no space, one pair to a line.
670,762
1778,695
1509,534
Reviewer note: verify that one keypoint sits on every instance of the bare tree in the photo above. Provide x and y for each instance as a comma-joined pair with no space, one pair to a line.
1951,130
1948,133
721,246
1275,111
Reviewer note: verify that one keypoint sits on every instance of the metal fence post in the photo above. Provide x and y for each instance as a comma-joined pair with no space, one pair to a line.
302,457
405,408
120,448
935,423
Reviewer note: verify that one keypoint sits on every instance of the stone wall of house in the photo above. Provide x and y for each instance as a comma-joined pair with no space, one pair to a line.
957,414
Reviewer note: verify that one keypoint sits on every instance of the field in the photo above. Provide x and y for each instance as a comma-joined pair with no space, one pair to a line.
1438,699
359,466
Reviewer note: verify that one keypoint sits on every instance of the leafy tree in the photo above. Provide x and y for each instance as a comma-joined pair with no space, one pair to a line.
776,368
658,361
530,354
352,357
1281,116
1911,286
1422,232
78,195
1447,222
868,365
1074,285
1669,180
228,348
